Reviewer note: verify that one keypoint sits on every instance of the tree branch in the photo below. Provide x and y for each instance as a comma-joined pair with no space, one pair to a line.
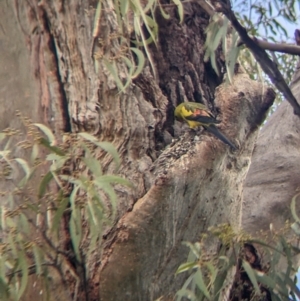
278,47
268,66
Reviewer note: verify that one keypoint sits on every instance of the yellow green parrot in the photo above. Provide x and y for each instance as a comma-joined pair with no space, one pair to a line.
196,114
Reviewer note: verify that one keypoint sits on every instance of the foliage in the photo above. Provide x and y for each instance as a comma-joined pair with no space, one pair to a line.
262,19
236,269
136,25
268,20
39,216
137,28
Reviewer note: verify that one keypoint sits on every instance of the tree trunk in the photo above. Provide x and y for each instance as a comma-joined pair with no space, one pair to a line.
272,180
180,188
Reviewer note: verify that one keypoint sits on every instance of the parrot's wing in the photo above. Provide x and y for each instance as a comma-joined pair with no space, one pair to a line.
191,106
205,120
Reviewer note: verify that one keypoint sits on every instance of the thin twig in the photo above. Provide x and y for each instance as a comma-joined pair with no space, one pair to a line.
31,270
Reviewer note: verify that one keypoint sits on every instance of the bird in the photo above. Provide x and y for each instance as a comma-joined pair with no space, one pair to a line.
197,114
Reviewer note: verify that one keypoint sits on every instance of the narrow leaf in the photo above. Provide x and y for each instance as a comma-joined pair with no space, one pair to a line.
97,19
251,274
59,213
180,9
76,232
124,6
44,184
198,278
113,179
34,153
93,165
37,252
25,166
141,62
293,208
108,147
111,67
186,267
53,149
24,268
46,131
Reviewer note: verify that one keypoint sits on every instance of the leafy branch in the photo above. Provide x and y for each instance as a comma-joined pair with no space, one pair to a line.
37,220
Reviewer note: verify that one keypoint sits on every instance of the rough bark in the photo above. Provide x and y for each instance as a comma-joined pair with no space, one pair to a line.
179,191
197,185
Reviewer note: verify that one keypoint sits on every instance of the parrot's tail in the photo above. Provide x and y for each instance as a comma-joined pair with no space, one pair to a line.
214,130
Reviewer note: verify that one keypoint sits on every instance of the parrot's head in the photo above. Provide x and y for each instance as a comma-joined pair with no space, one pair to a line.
178,113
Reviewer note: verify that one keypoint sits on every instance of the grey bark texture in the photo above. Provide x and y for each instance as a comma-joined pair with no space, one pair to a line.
197,185
181,187
273,179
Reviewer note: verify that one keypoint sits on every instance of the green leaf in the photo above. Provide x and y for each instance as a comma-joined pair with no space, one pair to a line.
34,153
124,6
46,131
198,278
108,179
25,167
180,9
293,208
296,228
88,137
96,65
44,184
7,145
38,255
186,267
59,213
93,219
232,57
11,241
23,223
138,28
57,162
73,199
111,67
95,232
108,147
185,293
111,195
219,283
163,12
251,274
293,286
2,265
195,248
2,136
141,62
53,149
220,35
97,18
24,268
4,289
281,286
213,271
93,164
76,232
